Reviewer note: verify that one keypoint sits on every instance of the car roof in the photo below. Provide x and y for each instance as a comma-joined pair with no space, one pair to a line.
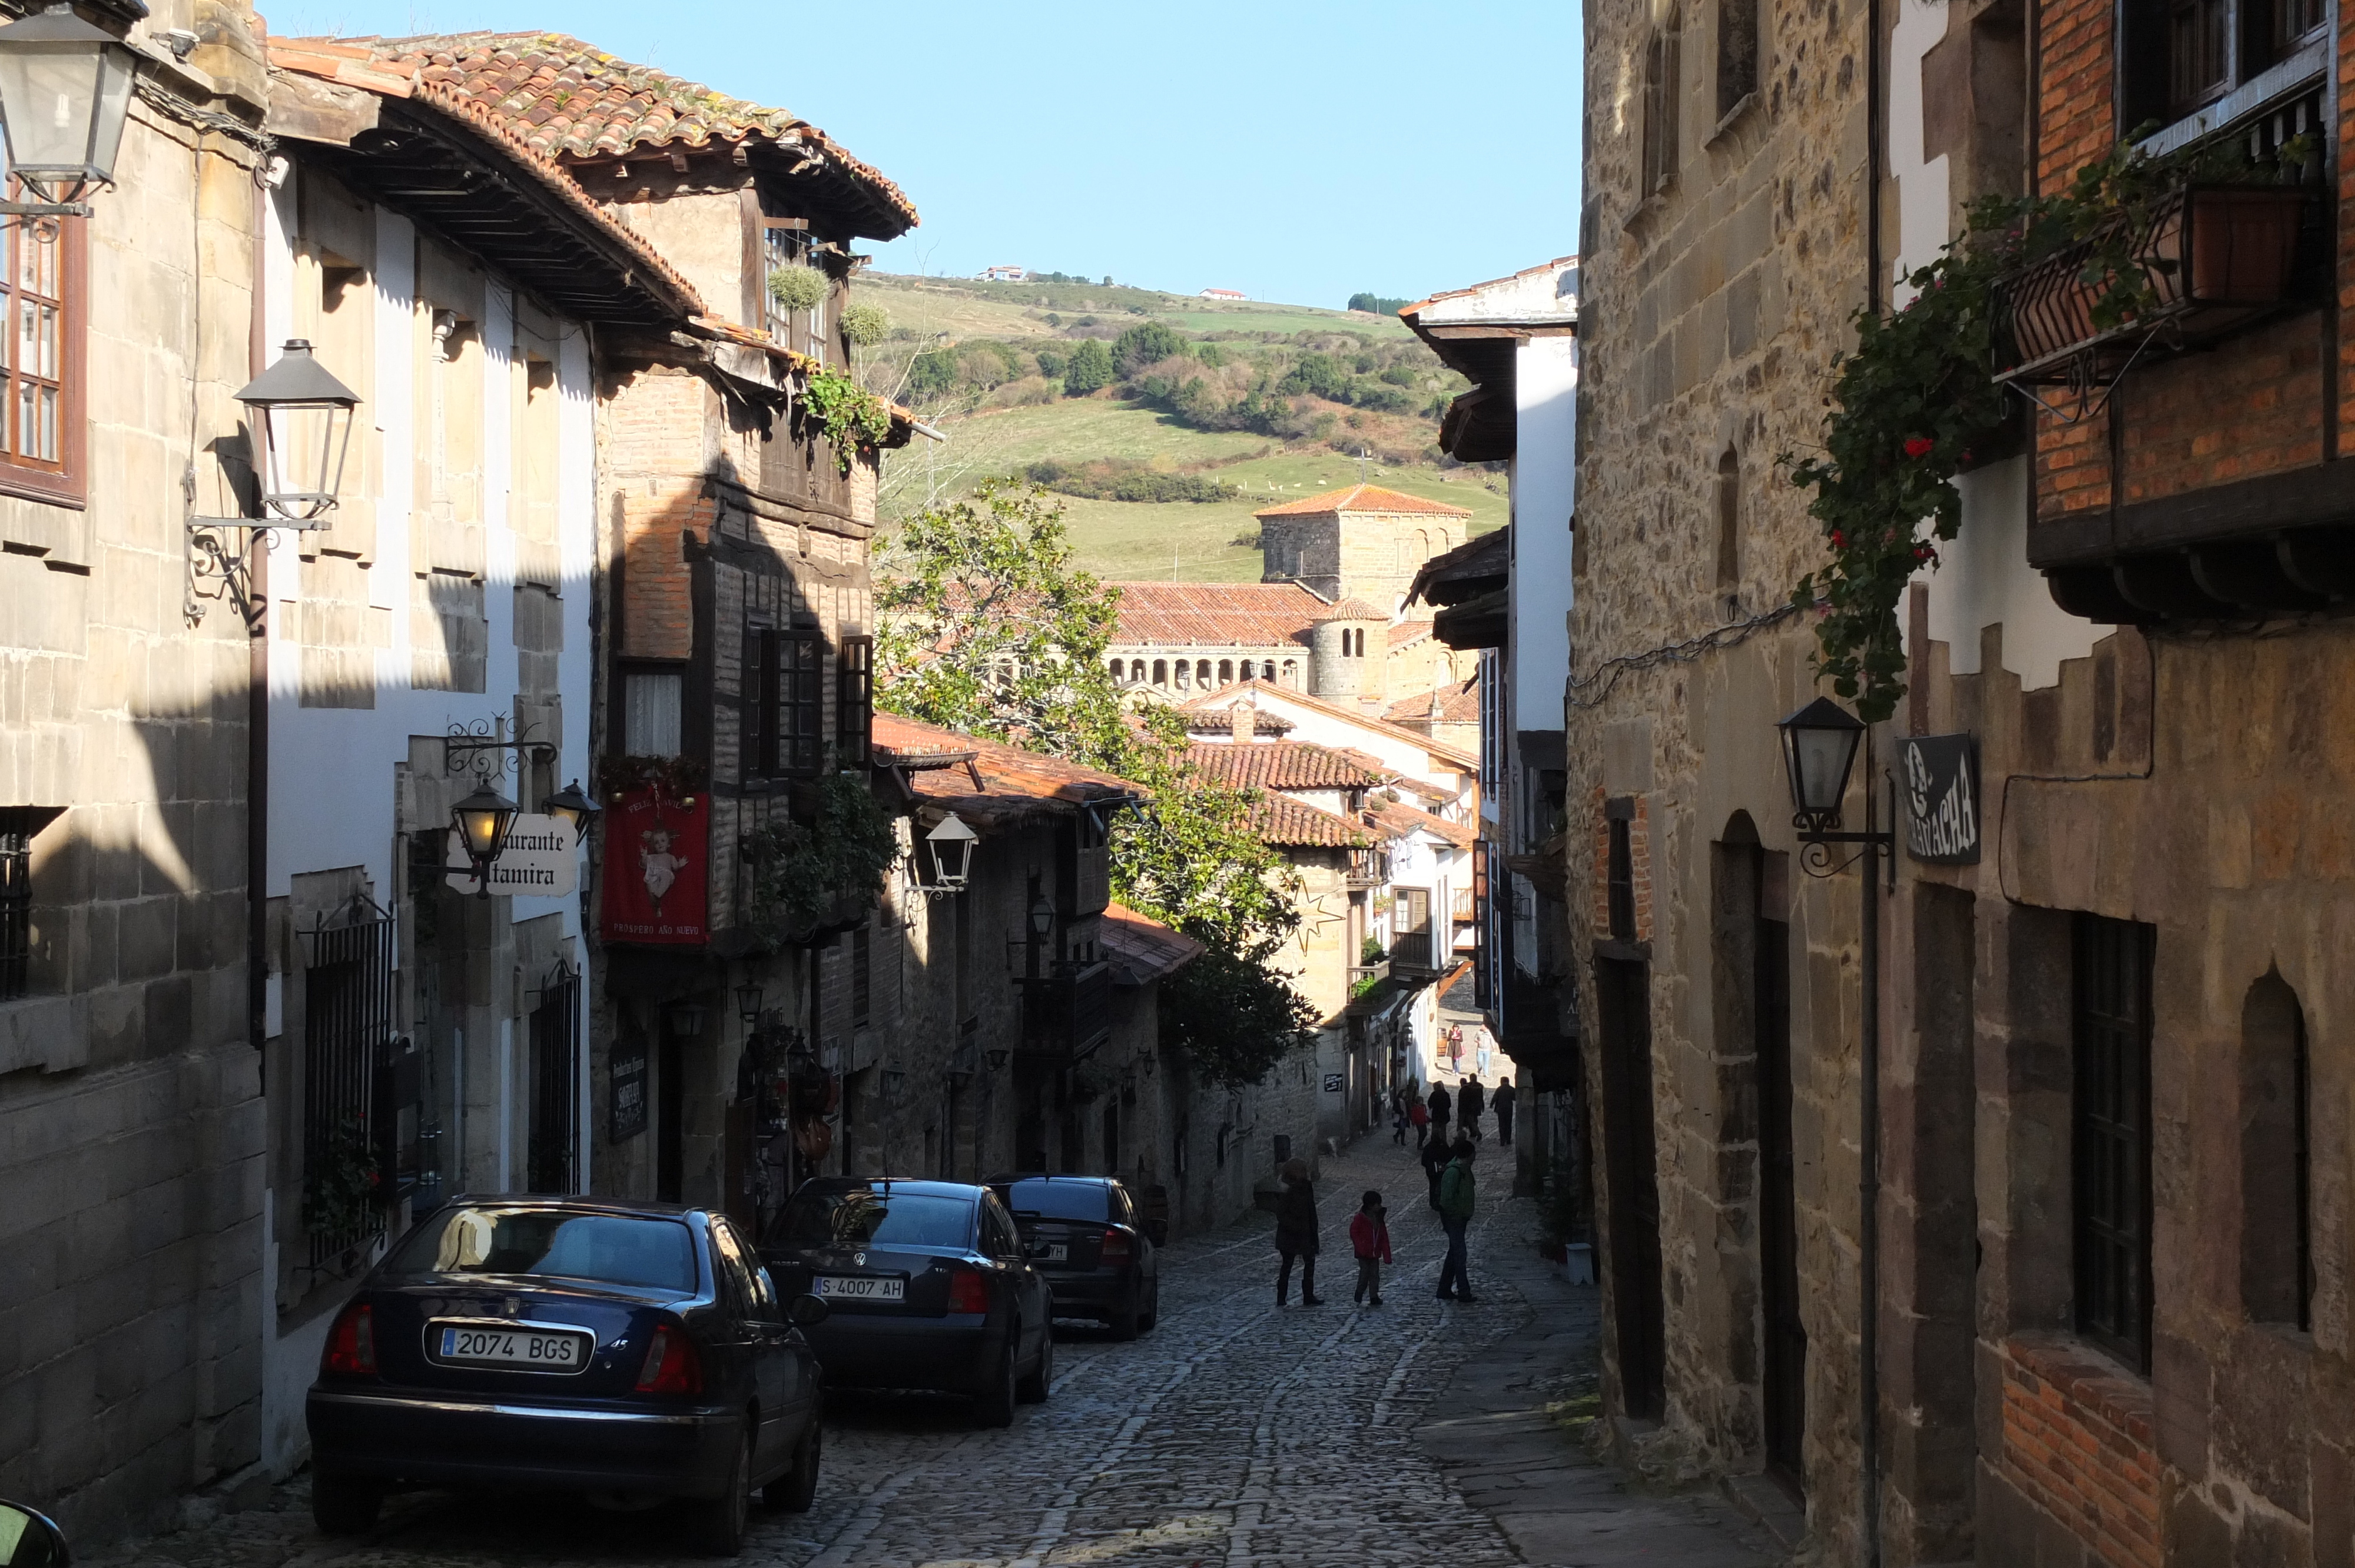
1049,1176
631,1207
914,1185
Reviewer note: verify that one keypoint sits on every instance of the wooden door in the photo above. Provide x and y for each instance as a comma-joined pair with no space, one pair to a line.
1785,1368
1623,989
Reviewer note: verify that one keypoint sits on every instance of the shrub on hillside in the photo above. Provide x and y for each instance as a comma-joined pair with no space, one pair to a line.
1088,370
1148,343
1116,478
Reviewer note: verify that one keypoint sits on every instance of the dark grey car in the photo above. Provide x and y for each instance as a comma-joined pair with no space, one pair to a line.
1085,1236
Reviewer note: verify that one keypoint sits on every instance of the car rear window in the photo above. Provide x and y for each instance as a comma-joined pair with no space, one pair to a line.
613,1249
1061,1201
872,1217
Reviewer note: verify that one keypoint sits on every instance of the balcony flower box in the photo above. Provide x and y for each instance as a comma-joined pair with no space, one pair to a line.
2209,258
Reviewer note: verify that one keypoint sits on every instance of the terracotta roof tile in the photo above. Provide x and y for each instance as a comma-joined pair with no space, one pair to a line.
1403,819
1204,720
570,101
1247,691
1288,824
1405,631
1223,615
1013,785
1362,498
1149,949
1457,704
1354,608
1285,765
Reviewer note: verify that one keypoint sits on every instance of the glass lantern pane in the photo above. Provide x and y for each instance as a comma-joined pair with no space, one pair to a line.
47,95
1823,768
115,73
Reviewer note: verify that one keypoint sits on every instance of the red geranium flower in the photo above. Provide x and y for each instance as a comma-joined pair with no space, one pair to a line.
1919,445
1840,540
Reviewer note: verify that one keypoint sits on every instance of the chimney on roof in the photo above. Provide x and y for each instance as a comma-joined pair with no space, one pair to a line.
1243,719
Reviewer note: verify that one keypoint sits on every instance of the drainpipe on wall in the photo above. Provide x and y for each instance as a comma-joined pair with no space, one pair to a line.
1868,1043
257,697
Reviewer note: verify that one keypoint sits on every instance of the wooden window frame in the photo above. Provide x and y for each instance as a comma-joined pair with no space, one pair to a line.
67,482
786,752
2249,37
854,701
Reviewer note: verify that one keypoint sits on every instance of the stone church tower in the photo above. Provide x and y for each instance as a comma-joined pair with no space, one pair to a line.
1362,543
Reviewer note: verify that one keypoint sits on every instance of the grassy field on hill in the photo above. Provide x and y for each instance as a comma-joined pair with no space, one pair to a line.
1280,409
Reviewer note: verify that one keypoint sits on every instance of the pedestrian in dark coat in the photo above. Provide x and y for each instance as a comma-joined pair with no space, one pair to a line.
1398,1115
1505,1097
1470,1101
1435,1156
1442,1105
1295,1233
1370,1238
1455,1202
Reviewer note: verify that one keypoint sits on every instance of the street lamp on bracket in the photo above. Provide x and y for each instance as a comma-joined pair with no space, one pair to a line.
298,432
65,94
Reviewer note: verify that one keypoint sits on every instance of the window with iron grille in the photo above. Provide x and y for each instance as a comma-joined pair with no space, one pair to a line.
42,268
15,915
854,697
862,990
2111,1134
793,686
347,1011
1621,884
555,1083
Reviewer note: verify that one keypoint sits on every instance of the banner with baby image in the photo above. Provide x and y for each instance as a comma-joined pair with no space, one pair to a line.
658,867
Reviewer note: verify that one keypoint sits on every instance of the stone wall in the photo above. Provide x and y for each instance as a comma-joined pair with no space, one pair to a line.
130,1131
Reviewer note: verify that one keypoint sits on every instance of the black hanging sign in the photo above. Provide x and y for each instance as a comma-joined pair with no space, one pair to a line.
1942,799
625,1097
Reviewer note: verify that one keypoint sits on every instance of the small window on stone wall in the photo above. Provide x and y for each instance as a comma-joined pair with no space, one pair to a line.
1737,53
2277,1222
1728,521
2110,1135
1661,70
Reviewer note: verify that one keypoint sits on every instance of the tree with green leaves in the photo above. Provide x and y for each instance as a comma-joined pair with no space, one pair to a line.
1144,345
985,626
1089,369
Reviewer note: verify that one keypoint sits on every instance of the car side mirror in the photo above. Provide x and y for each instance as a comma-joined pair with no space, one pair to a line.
29,1540
807,1311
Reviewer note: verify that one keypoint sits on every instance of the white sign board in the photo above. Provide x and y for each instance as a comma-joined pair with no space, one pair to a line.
540,860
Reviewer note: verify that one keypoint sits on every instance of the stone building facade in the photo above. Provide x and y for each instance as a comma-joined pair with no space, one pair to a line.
130,1112
1725,240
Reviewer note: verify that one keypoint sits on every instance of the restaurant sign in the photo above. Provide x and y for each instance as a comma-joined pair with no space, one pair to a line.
1942,805
541,860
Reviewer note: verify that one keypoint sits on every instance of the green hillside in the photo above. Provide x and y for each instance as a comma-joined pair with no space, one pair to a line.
1240,407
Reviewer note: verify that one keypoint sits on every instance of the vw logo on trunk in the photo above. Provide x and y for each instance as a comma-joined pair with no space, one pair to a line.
858,1258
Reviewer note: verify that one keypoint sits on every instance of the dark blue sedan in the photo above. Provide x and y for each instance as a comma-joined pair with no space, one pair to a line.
638,1351
926,1287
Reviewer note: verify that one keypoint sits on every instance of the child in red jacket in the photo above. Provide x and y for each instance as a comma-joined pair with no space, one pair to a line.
1370,1238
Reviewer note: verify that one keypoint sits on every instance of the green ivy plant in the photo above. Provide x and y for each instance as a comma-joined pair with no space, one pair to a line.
339,1186
1917,397
853,418
802,875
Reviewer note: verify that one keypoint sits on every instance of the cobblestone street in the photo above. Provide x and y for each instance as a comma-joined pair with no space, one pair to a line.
1236,1433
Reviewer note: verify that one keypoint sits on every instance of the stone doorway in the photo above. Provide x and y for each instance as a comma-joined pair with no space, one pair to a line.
1623,994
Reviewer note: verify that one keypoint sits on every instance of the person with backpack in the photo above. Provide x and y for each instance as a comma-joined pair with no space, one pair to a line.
1441,1105
1370,1238
1455,1201
1470,1101
1295,1233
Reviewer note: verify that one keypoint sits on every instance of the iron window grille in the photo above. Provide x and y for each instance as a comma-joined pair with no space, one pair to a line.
2110,1137
555,1083
347,1013
15,915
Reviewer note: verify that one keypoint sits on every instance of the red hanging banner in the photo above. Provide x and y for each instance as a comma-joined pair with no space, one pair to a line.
657,868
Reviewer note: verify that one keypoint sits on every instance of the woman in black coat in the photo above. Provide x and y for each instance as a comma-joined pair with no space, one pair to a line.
1295,1233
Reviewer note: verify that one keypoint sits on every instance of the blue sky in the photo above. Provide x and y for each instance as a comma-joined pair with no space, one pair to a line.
1297,150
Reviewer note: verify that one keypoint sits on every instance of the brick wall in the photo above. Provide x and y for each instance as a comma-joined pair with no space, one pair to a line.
2077,1439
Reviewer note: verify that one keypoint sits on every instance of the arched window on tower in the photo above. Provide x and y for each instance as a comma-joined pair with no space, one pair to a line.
1226,671
1161,674
1292,671
2277,1166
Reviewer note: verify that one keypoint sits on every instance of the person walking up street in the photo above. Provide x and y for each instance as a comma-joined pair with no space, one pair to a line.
1370,1238
1295,1233
1435,1156
1503,1101
1455,1204
1398,1115
1441,1105
1470,1101
1420,1116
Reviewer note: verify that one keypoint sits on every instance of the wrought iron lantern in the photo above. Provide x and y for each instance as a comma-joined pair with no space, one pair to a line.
1819,744
573,807
302,429
1042,920
748,1003
686,1020
483,819
65,92
950,848
997,1057
893,1077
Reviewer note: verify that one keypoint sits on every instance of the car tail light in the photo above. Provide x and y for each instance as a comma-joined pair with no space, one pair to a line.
968,1291
671,1366
1116,1246
351,1343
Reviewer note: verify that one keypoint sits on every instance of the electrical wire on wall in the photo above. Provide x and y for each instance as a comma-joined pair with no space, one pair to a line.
1684,652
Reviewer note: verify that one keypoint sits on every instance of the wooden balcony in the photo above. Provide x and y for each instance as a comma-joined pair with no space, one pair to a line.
1410,953
1066,1012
